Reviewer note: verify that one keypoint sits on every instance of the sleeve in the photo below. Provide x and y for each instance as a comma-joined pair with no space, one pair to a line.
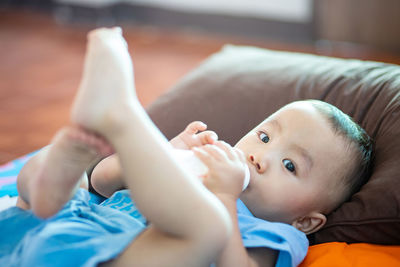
291,243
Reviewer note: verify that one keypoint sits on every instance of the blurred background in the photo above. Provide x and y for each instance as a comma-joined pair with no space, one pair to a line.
42,45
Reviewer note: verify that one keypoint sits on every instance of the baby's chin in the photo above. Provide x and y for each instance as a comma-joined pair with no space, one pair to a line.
251,182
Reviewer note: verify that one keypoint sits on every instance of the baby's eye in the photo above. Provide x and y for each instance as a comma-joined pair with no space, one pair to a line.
264,137
289,165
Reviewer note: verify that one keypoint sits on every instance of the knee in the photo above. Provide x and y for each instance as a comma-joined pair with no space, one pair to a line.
106,177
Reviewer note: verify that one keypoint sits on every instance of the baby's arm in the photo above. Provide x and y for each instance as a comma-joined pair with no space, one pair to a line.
225,180
107,178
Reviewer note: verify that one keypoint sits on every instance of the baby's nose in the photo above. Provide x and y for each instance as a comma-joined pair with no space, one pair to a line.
260,166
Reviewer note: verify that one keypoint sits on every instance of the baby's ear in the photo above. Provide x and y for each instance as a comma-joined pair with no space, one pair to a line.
311,223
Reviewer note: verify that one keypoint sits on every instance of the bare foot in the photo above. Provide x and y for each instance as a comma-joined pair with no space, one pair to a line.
73,150
107,85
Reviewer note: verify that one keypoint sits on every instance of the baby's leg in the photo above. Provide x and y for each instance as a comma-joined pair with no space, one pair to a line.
106,177
48,180
189,224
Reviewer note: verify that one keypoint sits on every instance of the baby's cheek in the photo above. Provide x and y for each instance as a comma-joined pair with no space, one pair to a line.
302,202
278,196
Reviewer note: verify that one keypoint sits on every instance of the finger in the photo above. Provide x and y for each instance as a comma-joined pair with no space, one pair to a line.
240,154
195,126
208,137
227,149
203,155
216,152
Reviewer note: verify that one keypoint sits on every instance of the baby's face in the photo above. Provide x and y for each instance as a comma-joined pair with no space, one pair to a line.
294,159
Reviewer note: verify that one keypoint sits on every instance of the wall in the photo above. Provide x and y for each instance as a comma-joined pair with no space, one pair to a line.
373,23
283,10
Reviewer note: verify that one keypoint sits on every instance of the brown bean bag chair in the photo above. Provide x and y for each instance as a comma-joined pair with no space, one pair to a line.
238,87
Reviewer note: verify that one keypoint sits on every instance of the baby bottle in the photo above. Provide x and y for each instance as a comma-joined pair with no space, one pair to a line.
194,165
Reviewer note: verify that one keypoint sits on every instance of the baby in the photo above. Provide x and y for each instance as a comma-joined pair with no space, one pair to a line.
304,161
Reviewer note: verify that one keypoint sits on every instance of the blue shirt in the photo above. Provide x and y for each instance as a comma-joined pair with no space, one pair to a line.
291,243
85,234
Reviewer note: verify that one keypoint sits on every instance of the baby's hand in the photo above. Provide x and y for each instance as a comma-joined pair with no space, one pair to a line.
191,138
226,168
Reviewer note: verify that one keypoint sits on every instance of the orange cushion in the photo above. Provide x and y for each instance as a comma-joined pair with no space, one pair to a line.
352,255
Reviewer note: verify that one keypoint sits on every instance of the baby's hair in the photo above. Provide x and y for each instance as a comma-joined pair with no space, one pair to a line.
359,142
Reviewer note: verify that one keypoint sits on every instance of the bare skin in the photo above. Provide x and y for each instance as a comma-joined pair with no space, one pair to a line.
190,226
59,170
106,177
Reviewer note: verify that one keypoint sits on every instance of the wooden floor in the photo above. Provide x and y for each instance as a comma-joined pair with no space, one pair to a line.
41,63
